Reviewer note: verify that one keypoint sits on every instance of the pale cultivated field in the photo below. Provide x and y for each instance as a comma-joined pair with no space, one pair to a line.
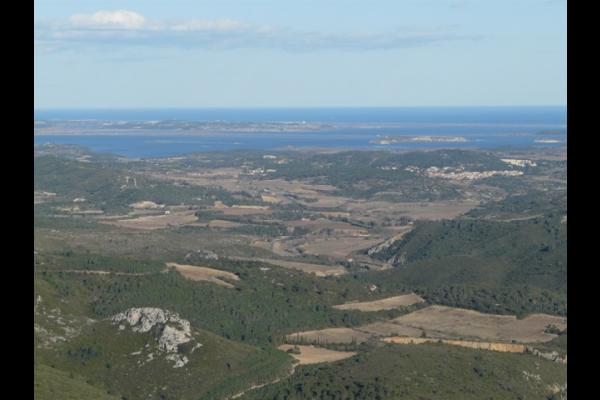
149,222
317,269
449,322
429,211
213,177
212,275
325,201
102,272
335,245
439,322
249,207
319,187
383,304
281,186
232,179
388,329
323,223
315,355
270,199
494,346
334,214
279,190
329,335
220,223
276,246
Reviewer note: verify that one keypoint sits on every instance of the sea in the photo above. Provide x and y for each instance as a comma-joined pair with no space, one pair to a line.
482,127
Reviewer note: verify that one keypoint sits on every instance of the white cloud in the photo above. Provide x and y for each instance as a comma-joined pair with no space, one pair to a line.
120,19
122,28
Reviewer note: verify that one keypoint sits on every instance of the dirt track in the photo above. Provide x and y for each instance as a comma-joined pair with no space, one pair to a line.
258,386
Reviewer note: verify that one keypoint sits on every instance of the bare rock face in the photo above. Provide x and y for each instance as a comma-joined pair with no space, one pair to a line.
178,359
143,319
552,355
146,205
174,330
52,327
173,337
559,390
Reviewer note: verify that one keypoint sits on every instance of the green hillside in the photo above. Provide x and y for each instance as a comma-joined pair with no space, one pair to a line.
417,372
54,384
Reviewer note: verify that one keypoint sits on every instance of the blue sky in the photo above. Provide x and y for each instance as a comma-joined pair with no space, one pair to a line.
308,53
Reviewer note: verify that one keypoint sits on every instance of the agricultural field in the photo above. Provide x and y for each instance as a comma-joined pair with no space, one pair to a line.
197,273
315,355
154,221
383,304
316,269
442,322
287,274
459,323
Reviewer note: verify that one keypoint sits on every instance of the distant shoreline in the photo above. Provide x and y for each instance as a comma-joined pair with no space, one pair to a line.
549,115
189,128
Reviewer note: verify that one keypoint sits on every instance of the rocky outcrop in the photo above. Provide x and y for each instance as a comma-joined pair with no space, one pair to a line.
146,205
52,326
172,330
551,355
206,254
531,376
172,337
178,360
389,242
558,390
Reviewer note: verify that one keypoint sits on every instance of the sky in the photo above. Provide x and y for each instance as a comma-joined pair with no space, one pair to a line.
299,53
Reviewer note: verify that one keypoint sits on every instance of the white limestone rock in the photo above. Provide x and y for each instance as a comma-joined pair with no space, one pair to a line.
173,337
178,359
173,329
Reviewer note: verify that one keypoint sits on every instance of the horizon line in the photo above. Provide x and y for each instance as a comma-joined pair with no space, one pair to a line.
292,107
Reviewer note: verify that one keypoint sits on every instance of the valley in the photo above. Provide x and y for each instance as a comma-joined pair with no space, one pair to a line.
244,274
